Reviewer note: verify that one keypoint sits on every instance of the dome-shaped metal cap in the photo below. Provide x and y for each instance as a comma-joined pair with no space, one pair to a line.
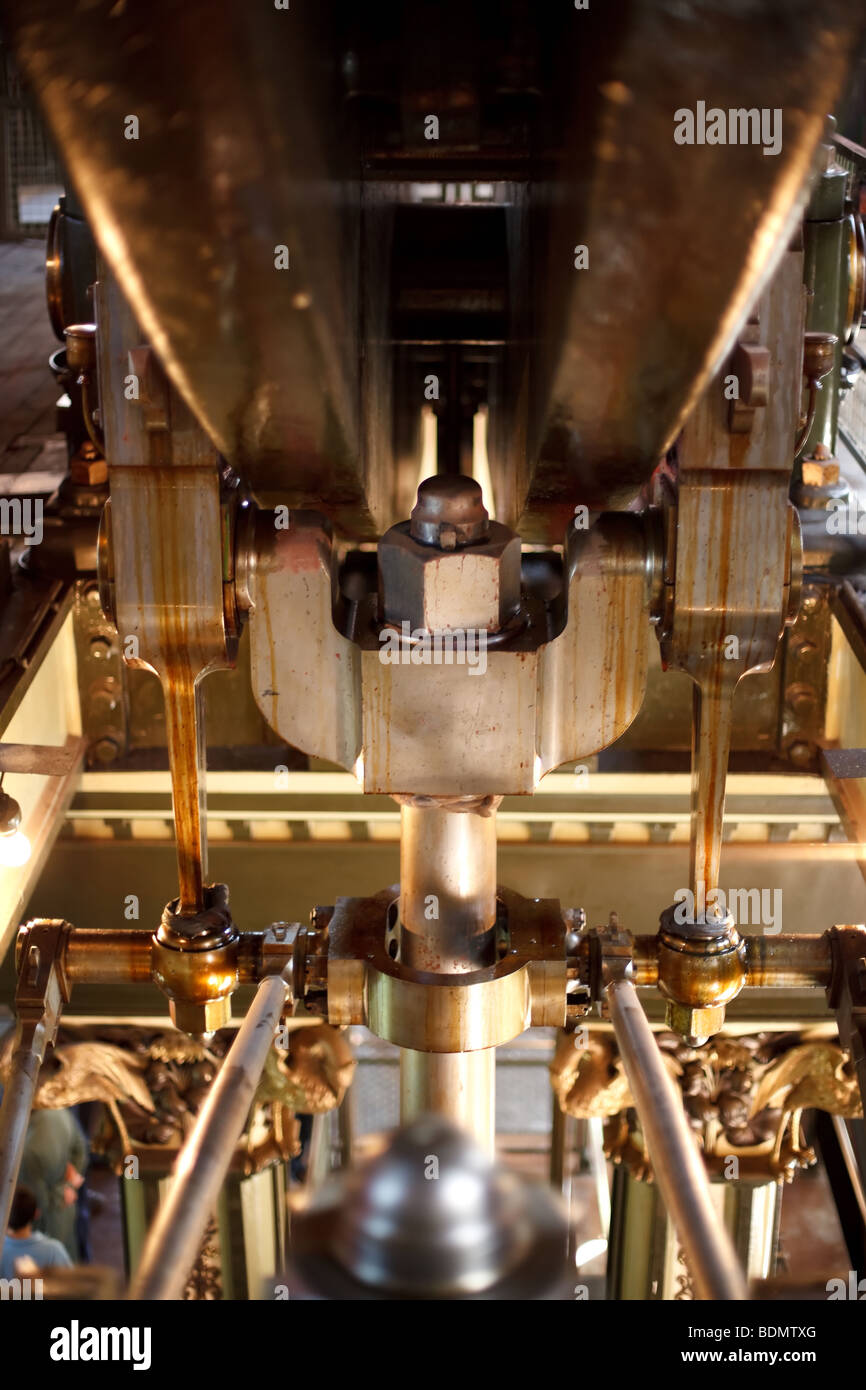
432,1215
449,512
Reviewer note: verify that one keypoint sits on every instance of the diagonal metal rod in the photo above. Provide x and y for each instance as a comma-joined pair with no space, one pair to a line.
175,1237
677,1163
852,1167
18,1094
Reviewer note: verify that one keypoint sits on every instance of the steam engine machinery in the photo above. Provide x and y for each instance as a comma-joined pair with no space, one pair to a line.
451,396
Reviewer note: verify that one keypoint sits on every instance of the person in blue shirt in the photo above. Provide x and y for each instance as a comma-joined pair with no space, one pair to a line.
21,1240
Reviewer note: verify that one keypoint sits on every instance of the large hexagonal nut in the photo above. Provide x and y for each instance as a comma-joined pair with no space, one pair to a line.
694,1026
471,587
196,1018
87,468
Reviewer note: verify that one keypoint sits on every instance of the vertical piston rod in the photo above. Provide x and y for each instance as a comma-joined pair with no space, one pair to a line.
175,1237
459,1085
448,927
447,888
677,1163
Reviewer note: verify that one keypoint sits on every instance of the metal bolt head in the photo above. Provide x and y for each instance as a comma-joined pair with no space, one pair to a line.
801,754
87,468
695,1026
449,512
801,697
104,750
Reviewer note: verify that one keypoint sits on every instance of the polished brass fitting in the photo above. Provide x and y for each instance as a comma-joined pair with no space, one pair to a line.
195,962
428,1012
701,968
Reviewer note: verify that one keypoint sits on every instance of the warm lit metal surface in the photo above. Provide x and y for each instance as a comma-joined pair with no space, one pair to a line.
788,962
276,286
161,561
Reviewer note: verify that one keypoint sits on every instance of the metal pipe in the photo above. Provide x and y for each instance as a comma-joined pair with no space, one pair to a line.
94,956
175,1237
458,1085
677,1163
114,957
15,1111
645,958
777,962
789,962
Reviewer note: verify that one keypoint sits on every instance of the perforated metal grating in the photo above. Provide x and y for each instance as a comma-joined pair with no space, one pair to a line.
31,176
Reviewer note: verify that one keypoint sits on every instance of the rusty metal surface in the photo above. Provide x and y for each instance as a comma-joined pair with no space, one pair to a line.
731,580
166,538
45,759
592,677
161,557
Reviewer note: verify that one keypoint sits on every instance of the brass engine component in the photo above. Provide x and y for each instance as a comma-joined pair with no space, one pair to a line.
426,1012
733,550
195,962
393,721
701,968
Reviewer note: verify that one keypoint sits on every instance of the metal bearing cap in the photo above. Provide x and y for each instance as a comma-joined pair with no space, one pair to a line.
195,962
701,966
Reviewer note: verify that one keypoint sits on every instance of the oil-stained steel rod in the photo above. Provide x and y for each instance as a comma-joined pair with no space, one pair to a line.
175,1237
677,1164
